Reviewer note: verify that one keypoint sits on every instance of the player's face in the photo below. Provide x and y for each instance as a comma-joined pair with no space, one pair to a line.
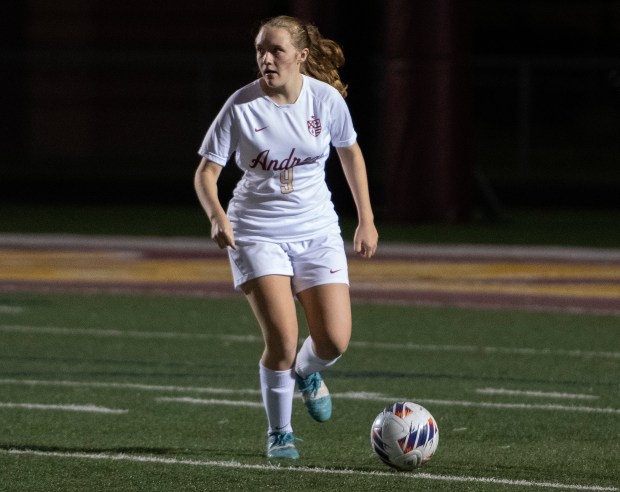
278,60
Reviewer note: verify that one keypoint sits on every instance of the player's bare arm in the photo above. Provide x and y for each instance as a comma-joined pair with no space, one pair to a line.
205,182
366,235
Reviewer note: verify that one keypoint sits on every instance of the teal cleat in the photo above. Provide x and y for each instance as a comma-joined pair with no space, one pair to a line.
316,396
281,445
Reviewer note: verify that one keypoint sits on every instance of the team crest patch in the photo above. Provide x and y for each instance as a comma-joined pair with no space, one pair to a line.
314,126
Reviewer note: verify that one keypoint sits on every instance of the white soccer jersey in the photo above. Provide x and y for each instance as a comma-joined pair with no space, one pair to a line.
282,150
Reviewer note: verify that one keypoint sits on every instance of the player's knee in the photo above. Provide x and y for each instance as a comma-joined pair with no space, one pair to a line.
281,353
341,346
331,349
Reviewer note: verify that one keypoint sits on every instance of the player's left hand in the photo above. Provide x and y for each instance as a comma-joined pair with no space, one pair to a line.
366,239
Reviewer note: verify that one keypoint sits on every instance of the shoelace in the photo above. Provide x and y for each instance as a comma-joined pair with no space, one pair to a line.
311,385
285,438
282,439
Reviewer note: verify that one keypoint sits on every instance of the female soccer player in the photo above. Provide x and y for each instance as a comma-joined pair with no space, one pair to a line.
281,230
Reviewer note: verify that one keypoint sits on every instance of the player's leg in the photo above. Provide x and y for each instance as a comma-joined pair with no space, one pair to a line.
274,308
321,283
273,305
328,312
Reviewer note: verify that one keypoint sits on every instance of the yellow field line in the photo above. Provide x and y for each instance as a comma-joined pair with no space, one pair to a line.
496,277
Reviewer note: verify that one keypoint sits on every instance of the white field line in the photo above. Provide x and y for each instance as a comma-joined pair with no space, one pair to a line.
97,332
199,401
425,401
65,408
478,404
112,333
132,386
303,469
5,309
535,394
486,350
521,406
351,395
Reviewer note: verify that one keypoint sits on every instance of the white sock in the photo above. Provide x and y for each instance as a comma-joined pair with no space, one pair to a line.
278,389
308,362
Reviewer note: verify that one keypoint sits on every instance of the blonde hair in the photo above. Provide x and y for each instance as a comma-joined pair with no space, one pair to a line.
325,56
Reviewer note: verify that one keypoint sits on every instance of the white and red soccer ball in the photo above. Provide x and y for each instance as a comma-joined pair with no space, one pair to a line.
404,435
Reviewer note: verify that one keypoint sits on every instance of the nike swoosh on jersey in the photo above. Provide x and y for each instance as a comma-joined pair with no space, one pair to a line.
260,129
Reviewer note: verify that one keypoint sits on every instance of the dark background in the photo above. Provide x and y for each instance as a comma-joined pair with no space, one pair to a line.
462,107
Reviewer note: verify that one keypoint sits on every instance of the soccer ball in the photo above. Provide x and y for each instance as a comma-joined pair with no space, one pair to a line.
404,435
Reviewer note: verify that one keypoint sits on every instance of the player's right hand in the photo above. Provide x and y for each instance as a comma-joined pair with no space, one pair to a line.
222,233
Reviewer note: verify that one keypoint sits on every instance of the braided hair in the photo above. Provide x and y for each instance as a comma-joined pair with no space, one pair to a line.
325,56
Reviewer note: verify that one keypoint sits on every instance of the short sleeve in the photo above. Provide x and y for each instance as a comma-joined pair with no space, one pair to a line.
221,138
341,129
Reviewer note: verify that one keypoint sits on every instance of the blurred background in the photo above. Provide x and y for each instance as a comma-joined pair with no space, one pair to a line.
464,108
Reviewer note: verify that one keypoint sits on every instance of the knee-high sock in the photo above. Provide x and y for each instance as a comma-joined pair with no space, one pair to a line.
308,362
278,389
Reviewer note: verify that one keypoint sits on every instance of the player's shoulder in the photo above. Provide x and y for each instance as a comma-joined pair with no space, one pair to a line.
246,94
322,90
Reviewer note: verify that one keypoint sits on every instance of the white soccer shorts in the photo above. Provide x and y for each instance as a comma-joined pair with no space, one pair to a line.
309,263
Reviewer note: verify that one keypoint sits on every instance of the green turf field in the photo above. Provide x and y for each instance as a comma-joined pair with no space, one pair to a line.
128,393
